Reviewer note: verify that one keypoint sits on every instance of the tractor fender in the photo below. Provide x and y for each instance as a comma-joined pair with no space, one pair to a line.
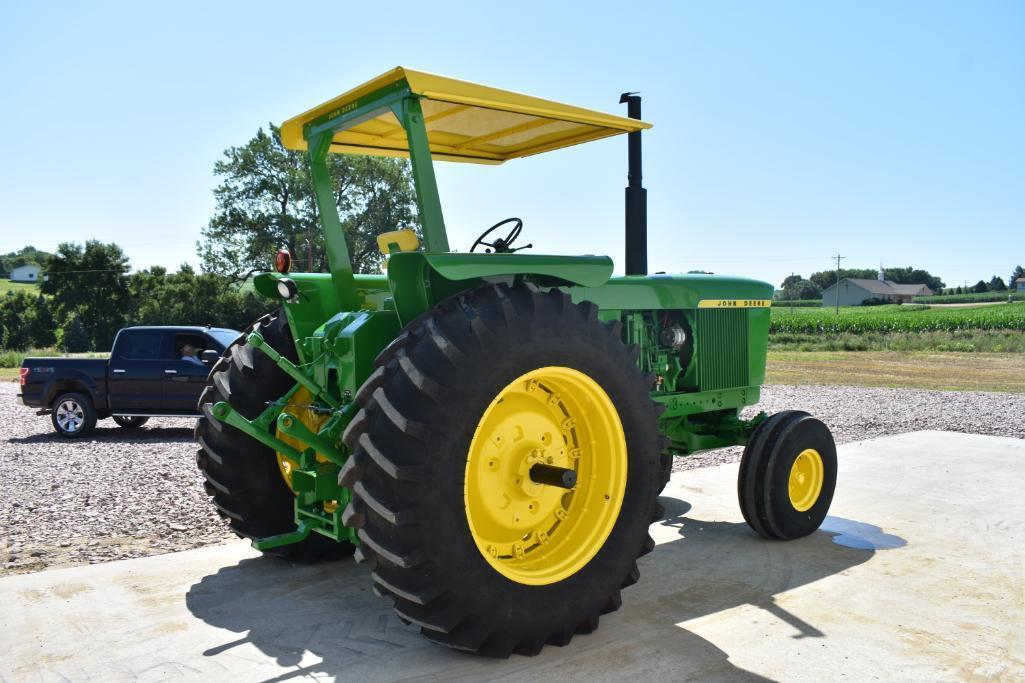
419,280
585,271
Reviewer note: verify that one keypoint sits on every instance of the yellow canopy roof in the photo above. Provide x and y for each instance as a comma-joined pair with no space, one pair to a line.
465,122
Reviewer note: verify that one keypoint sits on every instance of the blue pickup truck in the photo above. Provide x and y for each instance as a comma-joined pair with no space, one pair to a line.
147,375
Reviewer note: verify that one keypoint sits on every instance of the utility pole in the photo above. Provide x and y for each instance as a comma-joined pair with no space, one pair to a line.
837,297
791,300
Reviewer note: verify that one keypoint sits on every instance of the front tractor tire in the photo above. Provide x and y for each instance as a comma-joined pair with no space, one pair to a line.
242,475
506,465
787,476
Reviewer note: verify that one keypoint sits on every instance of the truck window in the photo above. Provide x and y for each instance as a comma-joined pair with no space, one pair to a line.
199,342
139,345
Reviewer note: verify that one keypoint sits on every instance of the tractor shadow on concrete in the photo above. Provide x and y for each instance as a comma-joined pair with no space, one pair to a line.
324,619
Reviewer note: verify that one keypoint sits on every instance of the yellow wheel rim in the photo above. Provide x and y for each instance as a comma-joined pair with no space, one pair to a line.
806,477
298,405
538,534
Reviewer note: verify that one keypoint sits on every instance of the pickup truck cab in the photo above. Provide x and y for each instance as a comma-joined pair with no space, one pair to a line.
145,376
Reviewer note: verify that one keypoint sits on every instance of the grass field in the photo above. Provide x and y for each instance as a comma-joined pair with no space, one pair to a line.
947,371
8,286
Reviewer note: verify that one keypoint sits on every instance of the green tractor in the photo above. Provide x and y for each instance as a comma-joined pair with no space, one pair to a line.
490,430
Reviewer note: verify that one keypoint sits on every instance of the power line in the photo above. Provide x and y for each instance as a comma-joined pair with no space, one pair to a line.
689,259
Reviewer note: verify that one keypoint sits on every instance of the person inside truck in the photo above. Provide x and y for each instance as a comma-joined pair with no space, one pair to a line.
189,352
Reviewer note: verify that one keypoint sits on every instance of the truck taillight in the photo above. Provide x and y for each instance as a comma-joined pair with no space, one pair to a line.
23,376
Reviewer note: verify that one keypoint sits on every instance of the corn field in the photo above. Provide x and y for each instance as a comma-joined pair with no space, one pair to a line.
907,318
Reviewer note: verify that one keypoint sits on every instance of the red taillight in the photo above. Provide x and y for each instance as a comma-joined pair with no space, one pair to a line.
283,261
23,376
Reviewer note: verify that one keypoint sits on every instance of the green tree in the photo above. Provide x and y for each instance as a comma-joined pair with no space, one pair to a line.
40,325
73,338
979,287
997,284
797,288
265,201
790,281
188,298
1015,274
15,310
901,276
825,278
89,284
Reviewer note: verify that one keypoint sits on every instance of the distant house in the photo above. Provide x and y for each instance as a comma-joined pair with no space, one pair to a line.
26,273
855,291
1019,285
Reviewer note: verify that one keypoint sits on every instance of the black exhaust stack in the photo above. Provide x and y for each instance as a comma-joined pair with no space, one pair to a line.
636,196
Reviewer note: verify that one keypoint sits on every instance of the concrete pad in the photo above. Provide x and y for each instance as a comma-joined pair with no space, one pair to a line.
917,574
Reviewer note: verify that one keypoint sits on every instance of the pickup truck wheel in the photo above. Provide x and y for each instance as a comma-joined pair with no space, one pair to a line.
242,475
130,422
73,415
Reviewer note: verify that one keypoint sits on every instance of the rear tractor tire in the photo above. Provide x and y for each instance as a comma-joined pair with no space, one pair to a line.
506,465
787,476
242,475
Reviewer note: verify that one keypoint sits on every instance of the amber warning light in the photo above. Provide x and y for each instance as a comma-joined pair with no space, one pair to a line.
283,261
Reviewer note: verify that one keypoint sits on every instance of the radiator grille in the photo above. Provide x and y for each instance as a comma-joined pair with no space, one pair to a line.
722,348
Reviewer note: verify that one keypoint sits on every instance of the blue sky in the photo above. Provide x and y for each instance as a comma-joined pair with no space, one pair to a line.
784,132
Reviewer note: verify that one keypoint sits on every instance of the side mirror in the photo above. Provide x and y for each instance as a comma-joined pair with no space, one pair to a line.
209,356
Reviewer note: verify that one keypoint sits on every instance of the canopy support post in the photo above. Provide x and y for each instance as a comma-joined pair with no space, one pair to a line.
339,262
410,115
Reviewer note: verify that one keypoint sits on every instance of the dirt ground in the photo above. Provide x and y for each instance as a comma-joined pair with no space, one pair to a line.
999,372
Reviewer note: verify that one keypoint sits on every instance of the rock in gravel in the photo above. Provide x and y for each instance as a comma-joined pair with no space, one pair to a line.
128,494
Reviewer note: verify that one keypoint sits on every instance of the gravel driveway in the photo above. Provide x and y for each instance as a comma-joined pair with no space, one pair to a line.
118,494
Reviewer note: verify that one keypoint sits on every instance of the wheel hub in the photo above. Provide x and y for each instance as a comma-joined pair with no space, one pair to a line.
806,478
299,405
530,531
70,416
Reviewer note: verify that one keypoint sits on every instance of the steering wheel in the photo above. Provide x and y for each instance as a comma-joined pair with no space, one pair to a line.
502,245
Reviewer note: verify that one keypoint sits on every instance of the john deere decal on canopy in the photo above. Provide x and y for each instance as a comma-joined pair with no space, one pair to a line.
490,429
